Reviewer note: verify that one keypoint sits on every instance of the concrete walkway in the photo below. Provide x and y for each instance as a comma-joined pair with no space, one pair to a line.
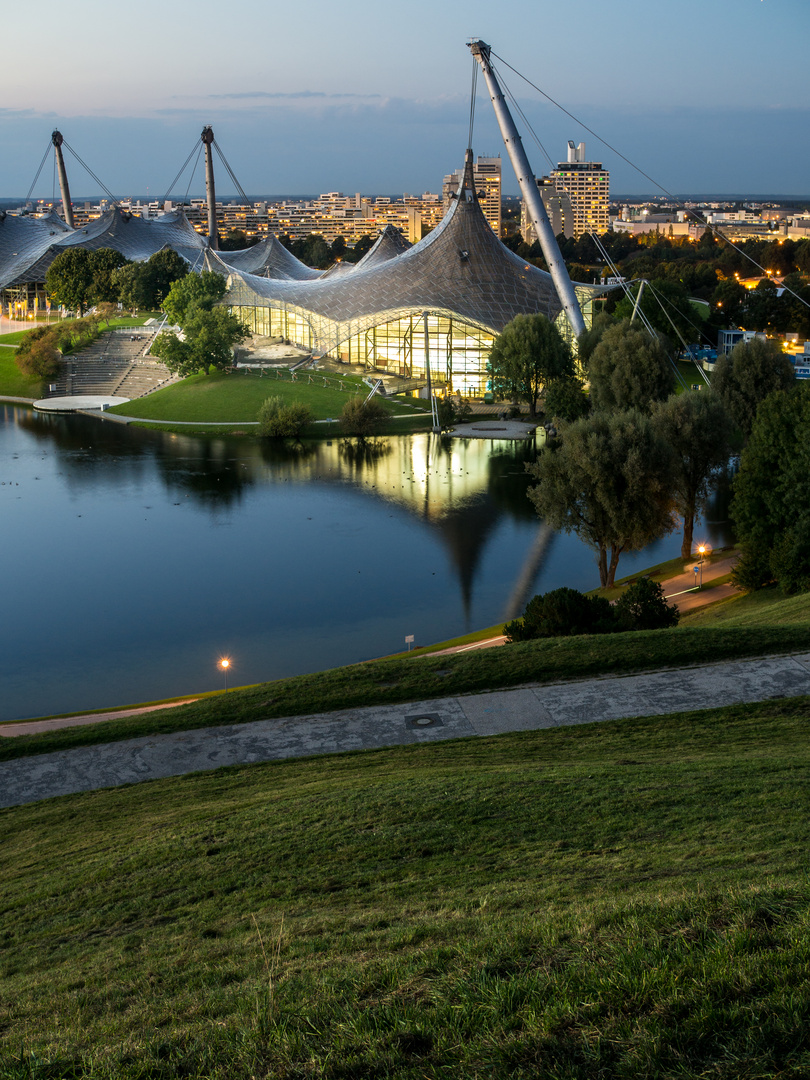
526,708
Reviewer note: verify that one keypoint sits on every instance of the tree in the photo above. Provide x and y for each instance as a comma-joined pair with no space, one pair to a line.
41,360
743,378
590,338
69,280
610,483
209,338
770,506
663,299
697,428
193,292
283,420
643,606
103,264
562,613
361,417
565,399
527,355
144,286
629,369
107,311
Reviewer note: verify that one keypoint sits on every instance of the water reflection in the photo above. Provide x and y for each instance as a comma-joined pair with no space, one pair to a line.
126,587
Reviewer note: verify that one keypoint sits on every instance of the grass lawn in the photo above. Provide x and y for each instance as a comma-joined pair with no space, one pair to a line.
237,397
626,899
12,381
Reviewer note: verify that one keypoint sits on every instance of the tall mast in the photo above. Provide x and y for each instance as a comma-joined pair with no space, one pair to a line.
208,138
57,140
529,191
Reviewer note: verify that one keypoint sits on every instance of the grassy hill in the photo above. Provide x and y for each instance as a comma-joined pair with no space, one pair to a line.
618,900
237,397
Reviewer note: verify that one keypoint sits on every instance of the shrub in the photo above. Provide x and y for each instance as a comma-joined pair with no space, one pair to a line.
278,420
644,607
563,613
41,360
361,417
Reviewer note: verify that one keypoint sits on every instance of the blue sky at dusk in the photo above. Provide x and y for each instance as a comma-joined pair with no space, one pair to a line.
704,95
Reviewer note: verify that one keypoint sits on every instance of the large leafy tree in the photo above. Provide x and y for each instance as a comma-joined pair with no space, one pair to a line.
629,369
144,286
103,264
209,333
192,293
69,280
771,494
696,426
610,482
527,356
744,377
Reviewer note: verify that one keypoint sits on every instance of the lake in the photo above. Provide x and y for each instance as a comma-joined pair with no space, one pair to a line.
135,559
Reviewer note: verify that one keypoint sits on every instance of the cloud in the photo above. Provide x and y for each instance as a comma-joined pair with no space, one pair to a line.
294,95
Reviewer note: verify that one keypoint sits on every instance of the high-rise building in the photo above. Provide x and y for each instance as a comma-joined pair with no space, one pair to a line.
558,208
587,185
487,178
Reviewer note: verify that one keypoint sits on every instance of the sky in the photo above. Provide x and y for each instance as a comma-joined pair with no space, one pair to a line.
704,96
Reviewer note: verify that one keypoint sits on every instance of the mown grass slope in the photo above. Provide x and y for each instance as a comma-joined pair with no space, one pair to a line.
237,397
618,900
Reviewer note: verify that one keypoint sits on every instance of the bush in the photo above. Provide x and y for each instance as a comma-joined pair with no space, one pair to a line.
563,613
644,607
278,420
361,417
41,360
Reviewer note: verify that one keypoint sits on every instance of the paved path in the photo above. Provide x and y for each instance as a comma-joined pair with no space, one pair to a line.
526,708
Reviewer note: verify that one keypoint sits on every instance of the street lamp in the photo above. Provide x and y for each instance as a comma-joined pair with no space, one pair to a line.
224,665
703,550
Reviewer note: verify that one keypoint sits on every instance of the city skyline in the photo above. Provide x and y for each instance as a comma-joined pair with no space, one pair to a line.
707,99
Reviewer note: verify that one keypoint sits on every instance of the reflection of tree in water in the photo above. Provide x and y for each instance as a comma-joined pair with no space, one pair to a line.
715,520
363,452
209,470
89,451
287,453
508,481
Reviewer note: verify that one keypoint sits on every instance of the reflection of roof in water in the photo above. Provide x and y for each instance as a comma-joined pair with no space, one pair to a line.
461,268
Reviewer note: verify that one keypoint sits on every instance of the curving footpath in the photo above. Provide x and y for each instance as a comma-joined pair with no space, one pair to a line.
526,708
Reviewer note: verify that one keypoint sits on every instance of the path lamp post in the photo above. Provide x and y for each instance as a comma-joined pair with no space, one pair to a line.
224,665
701,552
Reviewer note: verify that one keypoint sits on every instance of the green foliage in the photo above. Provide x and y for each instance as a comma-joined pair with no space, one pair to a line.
771,495
743,378
664,298
610,482
192,293
590,338
565,399
362,418
283,420
528,354
643,606
697,428
69,280
562,613
628,369
209,333
78,278
144,286
41,360
103,265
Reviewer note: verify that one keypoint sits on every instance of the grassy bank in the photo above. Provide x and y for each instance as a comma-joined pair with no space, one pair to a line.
12,381
237,397
415,678
623,900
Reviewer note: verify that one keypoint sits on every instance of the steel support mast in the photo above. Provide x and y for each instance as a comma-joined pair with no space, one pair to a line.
57,140
210,195
529,191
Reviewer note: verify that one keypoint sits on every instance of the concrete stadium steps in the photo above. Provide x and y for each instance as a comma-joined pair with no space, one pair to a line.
142,378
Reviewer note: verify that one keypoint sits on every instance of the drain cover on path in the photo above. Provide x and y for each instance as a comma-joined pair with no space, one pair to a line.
421,720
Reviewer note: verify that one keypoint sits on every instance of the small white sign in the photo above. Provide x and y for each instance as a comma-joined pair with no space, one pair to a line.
409,639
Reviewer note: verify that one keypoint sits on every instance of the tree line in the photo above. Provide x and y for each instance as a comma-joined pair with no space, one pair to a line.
632,456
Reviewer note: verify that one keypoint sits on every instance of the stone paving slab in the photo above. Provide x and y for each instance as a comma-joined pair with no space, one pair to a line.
521,709
155,757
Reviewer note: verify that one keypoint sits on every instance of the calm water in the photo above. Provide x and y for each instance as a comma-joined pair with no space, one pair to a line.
134,560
